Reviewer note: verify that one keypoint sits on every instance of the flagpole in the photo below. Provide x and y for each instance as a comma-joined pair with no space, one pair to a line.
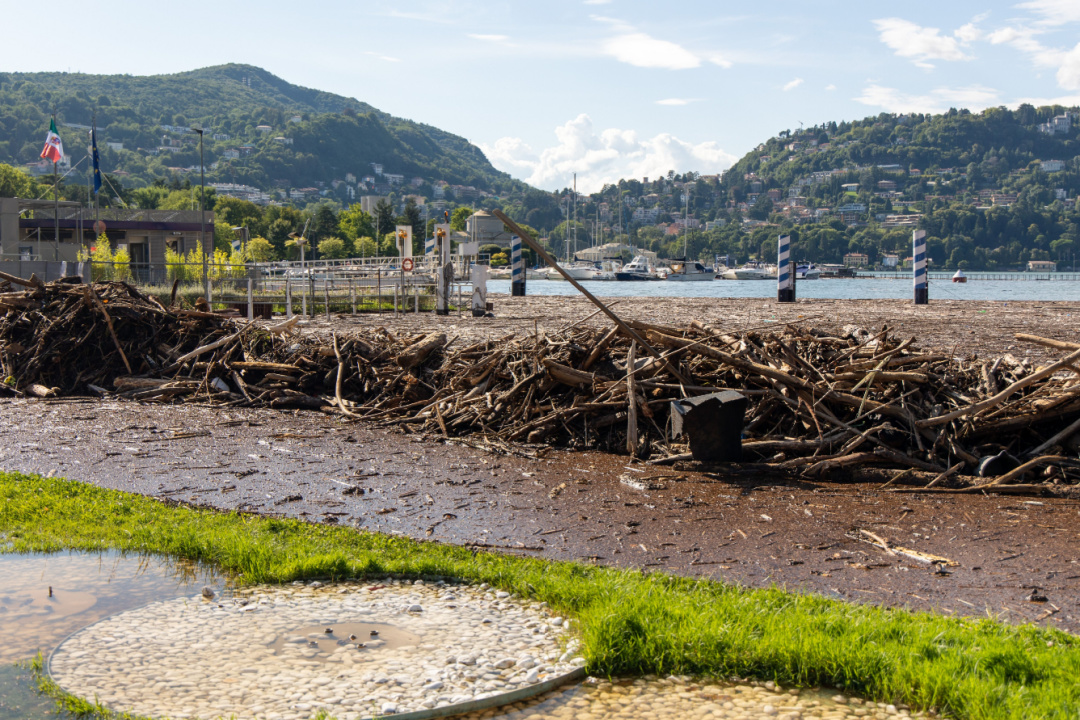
56,207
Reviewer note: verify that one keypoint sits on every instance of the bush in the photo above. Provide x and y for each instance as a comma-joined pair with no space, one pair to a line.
104,263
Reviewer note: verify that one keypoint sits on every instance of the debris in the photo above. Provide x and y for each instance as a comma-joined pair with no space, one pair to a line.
815,403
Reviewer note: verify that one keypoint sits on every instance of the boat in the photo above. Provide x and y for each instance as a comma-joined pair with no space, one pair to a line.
837,271
683,270
578,271
807,271
636,269
959,277
749,271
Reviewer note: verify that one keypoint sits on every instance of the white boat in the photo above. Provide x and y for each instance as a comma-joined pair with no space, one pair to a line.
750,271
807,271
636,269
578,271
688,270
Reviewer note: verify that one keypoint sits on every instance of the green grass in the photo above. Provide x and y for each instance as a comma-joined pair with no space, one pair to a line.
630,623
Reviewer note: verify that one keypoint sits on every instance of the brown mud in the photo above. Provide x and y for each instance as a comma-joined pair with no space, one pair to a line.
739,527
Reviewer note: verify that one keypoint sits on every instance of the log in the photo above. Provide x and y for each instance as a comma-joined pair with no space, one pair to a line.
416,353
207,348
569,376
264,366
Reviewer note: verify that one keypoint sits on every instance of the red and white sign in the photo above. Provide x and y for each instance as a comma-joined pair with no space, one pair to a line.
407,264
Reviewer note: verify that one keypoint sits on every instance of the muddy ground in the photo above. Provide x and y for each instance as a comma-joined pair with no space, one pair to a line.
749,529
753,530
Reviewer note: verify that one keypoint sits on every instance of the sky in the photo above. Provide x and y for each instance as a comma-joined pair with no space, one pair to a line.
606,89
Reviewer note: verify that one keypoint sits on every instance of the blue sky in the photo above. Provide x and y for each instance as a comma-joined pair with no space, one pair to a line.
604,88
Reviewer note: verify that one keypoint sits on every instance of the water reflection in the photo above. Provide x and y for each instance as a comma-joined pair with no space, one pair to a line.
45,598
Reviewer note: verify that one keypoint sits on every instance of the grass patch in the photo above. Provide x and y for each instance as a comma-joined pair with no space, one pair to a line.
630,623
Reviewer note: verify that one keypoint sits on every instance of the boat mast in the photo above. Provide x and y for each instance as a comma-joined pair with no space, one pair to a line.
685,220
571,259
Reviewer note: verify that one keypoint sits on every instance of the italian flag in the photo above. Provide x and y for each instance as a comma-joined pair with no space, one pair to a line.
54,148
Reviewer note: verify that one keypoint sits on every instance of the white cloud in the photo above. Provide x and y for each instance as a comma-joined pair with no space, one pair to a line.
603,157
1054,12
642,50
1068,75
974,97
793,84
677,101
1024,39
489,38
922,44
830,87
639,49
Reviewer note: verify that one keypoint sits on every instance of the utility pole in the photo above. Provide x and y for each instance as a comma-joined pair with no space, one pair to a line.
202,216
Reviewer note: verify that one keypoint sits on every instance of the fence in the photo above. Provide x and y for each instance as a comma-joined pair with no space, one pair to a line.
261,290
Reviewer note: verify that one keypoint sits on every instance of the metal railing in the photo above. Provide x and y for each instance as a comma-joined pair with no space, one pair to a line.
267,289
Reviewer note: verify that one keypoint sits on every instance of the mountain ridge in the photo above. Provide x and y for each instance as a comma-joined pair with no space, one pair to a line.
231,100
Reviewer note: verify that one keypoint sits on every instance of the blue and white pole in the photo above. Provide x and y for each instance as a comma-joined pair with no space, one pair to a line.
922,286
517,271
429,247
785,273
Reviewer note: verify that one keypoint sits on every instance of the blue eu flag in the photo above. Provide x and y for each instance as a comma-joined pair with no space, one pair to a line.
97,164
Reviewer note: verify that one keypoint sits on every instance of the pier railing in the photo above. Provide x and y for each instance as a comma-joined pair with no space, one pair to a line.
1019,276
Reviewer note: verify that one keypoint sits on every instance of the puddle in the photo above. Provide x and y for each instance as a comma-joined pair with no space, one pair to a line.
320,643
86,587
393,647
687,699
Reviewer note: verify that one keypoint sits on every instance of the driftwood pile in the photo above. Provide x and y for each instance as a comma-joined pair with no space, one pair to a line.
818,401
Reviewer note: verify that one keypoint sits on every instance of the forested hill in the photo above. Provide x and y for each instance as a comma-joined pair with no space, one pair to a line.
993,190
330,135
990,145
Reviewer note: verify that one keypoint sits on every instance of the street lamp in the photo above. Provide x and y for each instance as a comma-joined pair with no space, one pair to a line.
202,213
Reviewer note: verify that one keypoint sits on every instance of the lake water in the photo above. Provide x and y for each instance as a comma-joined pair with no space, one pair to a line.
826,289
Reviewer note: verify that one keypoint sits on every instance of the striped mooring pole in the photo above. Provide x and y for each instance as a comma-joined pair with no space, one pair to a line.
922,288
517,272
429,247
785,274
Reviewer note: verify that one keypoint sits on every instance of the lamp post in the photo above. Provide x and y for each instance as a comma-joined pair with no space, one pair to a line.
202,214
301,241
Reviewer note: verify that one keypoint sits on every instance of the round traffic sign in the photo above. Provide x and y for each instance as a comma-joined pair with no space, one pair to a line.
407,264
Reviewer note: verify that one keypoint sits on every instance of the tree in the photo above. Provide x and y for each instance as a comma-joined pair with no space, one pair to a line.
411,217
324,223
260,250
458,218
365,247
384,217
355,223
224,236
499,259
16,183
332,248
